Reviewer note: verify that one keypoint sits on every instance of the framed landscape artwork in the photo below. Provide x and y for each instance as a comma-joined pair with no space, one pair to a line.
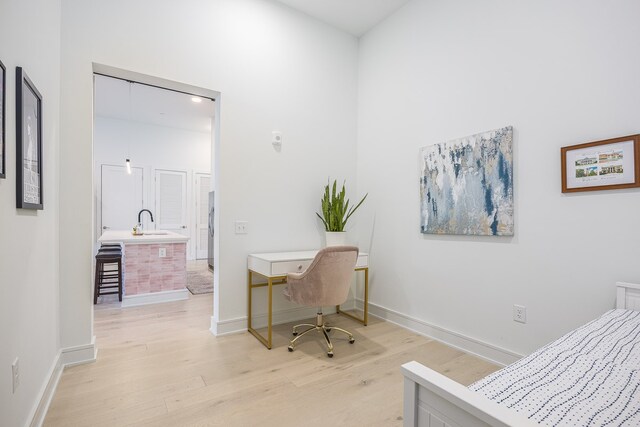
3,122
466,185
28,143
601,165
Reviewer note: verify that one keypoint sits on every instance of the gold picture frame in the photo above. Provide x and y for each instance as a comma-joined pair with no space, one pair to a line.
610,164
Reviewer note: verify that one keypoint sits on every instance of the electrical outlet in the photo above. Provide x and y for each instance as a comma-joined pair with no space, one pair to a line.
162,252
15,371
519,313
242,227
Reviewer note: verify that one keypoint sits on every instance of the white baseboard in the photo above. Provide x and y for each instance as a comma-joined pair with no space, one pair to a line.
80,354
227,327
65,358
239,324
490,352
46,393
154,298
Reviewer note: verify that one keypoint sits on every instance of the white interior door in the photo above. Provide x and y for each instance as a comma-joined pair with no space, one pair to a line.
121,197
171,201
202,186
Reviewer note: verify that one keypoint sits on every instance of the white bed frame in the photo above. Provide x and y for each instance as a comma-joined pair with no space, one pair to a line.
433,400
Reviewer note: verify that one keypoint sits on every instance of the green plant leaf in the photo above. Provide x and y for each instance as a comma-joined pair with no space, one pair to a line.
357,206
335,209
326,227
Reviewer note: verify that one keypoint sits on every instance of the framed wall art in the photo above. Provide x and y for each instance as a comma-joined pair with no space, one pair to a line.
3,122
601,165
466,185
28,143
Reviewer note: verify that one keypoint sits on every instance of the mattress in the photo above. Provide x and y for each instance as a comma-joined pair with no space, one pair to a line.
589,377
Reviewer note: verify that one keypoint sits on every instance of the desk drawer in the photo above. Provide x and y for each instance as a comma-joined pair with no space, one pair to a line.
363,261
284,267
278,268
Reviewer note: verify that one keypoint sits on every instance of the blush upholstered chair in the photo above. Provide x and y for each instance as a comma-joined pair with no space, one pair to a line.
325,283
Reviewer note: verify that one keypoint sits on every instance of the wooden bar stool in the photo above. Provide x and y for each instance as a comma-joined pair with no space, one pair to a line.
110,247
103,250
108,281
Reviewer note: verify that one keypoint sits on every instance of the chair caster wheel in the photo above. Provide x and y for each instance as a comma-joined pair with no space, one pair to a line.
290,348
294,333
351,340
330,354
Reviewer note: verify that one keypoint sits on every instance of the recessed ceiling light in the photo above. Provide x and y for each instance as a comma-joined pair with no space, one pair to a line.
196,99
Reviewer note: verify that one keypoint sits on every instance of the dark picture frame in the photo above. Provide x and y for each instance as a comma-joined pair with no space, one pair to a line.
3,121
28,143
610,164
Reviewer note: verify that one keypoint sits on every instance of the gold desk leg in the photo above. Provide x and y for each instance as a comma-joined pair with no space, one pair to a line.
249,300
365,319
263,340
366,296
270,281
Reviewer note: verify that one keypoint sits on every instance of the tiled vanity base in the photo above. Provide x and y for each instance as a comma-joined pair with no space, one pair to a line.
146,273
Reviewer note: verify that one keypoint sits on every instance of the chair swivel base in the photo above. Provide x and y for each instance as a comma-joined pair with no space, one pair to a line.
320,326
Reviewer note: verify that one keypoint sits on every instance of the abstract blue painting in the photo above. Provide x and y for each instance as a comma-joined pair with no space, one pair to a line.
466,185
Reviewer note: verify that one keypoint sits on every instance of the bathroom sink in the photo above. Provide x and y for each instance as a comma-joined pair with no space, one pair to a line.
155,233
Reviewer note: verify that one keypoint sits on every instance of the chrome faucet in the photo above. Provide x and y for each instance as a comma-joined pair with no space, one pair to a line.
140,215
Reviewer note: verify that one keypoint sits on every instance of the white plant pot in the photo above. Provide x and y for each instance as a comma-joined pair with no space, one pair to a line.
336,238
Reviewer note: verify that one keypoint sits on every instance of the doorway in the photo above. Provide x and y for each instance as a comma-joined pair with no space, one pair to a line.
154,151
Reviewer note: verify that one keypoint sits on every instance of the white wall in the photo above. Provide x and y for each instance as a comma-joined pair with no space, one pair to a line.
561,73
29,319
151,147
276,70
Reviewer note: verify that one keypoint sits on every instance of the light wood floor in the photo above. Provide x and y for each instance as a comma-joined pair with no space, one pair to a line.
199,265
158,365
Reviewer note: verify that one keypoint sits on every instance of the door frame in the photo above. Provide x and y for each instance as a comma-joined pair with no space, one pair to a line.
163,83
194,217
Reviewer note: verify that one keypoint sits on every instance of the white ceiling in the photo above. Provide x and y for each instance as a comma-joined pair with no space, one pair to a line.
353,16
151,105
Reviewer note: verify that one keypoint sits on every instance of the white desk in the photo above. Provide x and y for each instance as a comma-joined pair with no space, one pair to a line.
275,266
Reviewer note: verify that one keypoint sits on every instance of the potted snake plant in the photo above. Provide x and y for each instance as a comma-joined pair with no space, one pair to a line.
335,213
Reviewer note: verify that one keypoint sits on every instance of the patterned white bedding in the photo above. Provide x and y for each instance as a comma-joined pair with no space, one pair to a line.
589,377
